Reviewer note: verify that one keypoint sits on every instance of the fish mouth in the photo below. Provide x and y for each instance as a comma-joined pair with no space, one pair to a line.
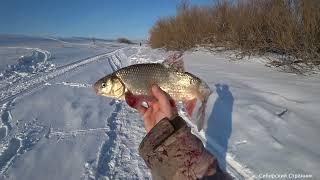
96,89
98,93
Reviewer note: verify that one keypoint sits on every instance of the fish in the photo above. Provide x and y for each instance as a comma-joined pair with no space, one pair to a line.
170,76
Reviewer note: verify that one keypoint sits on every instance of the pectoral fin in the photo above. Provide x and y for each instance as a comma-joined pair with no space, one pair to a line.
189,105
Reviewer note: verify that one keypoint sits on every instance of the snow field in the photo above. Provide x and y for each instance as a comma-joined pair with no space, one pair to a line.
53,125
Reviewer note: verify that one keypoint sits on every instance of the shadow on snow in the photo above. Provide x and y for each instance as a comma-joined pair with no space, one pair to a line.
219,126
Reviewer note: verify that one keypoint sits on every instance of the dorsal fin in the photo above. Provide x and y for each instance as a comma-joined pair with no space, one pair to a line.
175,61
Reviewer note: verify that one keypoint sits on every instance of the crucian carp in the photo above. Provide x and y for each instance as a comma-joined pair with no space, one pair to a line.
170,76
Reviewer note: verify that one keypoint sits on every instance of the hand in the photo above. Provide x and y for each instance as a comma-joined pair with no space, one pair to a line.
161,107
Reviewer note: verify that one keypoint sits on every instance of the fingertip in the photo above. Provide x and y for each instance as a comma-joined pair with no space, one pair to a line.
158,92
155,88
161,96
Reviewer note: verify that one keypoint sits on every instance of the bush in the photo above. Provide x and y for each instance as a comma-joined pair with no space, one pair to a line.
124,40
287,27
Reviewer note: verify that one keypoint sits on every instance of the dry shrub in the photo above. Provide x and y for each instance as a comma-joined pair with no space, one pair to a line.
286,27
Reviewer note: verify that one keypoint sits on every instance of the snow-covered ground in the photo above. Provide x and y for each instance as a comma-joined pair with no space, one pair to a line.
260,121
266,120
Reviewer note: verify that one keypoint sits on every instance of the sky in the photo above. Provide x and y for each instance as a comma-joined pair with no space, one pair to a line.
85,18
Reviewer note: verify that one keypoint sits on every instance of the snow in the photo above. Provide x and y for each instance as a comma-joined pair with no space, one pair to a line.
265,119
54,126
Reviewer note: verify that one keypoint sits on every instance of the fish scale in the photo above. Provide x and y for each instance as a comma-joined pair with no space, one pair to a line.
138,79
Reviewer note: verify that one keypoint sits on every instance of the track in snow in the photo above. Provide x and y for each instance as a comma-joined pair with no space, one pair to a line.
15,143
118,155
26,66
20,88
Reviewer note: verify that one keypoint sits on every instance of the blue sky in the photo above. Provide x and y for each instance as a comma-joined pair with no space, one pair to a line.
87,18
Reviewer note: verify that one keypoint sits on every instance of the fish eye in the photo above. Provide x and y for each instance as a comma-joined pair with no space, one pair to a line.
103,85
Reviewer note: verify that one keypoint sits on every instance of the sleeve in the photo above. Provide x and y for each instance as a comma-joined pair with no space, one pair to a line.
171,151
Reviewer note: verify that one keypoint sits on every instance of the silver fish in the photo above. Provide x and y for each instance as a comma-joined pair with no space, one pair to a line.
169,76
